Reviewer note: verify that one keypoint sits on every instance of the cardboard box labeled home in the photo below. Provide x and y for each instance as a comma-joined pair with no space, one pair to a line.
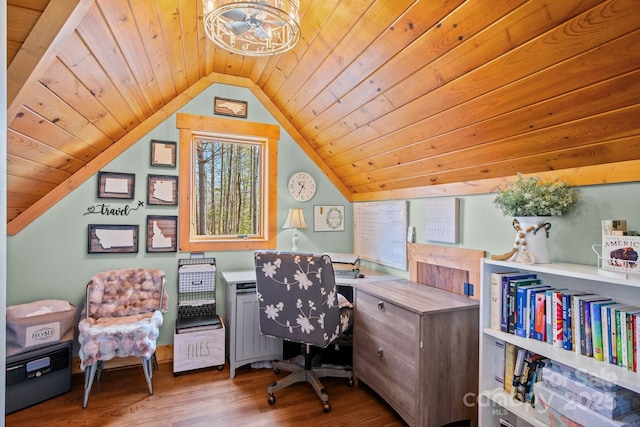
620,253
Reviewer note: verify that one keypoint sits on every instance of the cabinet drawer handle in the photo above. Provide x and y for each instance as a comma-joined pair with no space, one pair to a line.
380,305
380,353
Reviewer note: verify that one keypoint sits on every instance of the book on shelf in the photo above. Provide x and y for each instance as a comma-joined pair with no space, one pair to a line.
496,299
567,318
578,324
499,364
636,342
597,336
523,289
631,341
517,369
620,253
526,376
551,313
505,278
540,324
510,355
588,326
621,329
529,308
608,323
513,311
555,316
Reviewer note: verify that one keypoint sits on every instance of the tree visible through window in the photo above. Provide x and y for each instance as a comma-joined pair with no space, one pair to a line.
227,187
228,184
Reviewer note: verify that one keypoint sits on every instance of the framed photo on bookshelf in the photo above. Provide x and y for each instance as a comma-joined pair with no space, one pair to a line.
163,153
162,190
105,239
116,185
162,233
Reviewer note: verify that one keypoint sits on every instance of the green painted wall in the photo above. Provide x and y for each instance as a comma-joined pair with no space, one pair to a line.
49,259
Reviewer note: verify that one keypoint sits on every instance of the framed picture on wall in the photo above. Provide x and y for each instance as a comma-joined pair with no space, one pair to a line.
163,153
116,185
230,107
162,233
328,218
105,239
162,190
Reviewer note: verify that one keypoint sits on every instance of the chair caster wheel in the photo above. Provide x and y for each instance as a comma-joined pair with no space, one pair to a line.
326,407
271,399
276,371
351,382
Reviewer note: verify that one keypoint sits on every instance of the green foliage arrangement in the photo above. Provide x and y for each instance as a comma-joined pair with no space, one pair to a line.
534,196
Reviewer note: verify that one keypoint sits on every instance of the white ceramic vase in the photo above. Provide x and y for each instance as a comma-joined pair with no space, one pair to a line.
532,233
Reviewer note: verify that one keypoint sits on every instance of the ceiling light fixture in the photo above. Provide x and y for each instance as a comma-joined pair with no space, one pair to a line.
253,27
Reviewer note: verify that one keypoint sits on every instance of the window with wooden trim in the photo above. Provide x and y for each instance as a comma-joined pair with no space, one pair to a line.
228,184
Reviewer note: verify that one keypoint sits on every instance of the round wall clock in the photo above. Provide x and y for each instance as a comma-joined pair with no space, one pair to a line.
302,186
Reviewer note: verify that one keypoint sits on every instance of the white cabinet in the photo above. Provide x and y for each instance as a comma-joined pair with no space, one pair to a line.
245,344
494,403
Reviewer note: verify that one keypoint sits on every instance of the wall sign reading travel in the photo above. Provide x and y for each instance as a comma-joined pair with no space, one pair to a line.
108,210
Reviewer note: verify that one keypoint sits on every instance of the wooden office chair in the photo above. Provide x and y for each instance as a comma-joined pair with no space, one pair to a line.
299,302
122,318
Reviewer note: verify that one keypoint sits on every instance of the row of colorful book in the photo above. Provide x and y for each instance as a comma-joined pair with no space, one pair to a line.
590,324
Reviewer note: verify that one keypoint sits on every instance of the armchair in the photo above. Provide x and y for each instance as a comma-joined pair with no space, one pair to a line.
121,318
299,302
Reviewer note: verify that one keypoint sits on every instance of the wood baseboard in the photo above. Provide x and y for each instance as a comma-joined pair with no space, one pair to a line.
164,353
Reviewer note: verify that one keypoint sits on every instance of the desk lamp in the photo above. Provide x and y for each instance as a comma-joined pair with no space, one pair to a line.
295,220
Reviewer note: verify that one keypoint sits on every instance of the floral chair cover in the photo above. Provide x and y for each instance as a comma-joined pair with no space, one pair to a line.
298,298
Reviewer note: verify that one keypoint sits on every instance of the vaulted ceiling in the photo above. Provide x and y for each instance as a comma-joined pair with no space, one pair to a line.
391,98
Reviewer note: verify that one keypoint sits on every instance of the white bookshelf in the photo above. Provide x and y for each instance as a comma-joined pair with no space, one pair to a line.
494,402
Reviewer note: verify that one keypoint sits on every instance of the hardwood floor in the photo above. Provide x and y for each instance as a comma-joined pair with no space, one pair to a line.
206,398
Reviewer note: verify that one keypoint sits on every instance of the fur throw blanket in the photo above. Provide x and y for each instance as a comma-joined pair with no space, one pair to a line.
110,337
123,316
125,292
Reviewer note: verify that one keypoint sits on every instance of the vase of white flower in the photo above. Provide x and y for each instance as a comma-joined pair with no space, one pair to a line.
531,201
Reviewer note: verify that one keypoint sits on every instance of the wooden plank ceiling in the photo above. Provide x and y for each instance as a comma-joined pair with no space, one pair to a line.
390,98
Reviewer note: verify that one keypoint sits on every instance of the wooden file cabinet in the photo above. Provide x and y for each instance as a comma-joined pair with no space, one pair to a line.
244,342
417,347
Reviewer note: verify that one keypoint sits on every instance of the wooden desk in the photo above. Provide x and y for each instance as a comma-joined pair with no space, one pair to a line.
417,347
